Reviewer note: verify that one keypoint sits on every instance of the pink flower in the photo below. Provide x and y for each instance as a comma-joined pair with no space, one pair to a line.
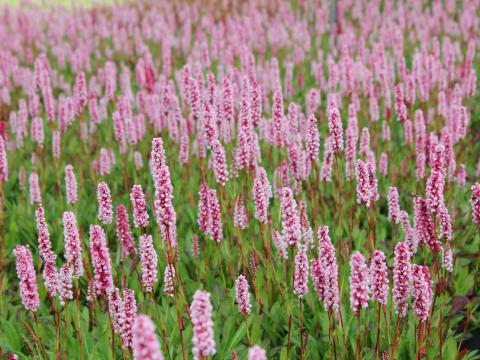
401,279
318,274
436,181
105,211
36,131
292,231
424,226
165,214
256,353
313,139
73,246
300,285
34,186
157,157
3,162
184,148
144,341
219,163
280,244
242,295
214,217
379,273
51,278
209,122
408,131
359,282
411,238
80,92
201,314
203,211
364,192
447,258
148,259
326,254
260,198
335,129
65,285
44,243
462,175
116,309
365,141
100,260
168,280
240,218
400,107
393,205
383,165
278,117
139,205
70,185
445,223
475,201
27,278
421,292
123,232
130,309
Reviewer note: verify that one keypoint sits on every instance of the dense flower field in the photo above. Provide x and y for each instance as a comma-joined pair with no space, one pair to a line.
257,179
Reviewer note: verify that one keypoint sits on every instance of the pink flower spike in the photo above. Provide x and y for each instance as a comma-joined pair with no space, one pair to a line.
219,163
292,231
214,217
65,283
144,341
475,201
148,259
401,279
3,162
313,139
447,258
130,309
242,295
240,218
300,285
100,258
202,219
44,243
379,273
319,278
201,314
359,282
139,205
336,129
27,278
70,185
422,292
256,353
105,211
260,198
116,309
393,205
424,226
326,253
34,187
124,235
73,246
168,280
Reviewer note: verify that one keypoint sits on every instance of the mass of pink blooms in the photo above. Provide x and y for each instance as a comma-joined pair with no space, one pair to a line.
312,159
